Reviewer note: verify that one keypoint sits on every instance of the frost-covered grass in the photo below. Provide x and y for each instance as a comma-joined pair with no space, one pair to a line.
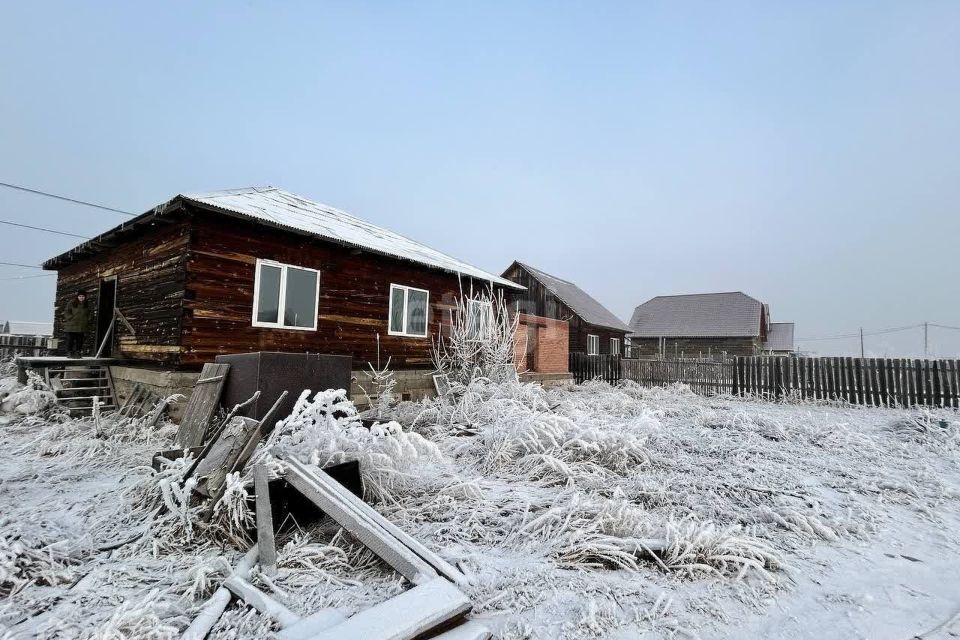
588,511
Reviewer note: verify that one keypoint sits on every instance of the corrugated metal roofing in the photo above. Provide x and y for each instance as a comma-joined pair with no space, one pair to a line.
779,337
582,303
20,328
699,315
286,210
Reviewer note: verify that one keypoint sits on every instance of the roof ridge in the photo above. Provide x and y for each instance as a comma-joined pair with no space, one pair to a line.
709,293
542,272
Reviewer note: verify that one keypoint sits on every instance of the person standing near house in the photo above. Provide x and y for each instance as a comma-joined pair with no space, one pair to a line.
76,322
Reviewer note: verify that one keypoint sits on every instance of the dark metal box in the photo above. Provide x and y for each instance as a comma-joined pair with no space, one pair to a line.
274,372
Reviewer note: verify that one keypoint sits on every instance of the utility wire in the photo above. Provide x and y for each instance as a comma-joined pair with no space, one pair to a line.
66,199
865,333
944,326
43,275
17,264
59,233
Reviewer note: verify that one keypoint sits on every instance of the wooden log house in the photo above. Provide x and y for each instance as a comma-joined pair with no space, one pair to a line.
261,269
593,329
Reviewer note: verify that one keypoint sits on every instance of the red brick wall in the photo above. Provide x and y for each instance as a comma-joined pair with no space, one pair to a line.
548,339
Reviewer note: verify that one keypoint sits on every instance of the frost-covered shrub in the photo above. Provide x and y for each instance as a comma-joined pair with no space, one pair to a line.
480,343
32,398
325,431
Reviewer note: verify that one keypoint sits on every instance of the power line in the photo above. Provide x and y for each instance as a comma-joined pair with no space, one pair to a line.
42,275
66,199
865,333
17,264
59,233
944,326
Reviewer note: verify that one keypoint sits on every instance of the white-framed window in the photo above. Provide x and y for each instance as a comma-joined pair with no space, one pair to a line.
479,319
409,311
285,296
593,345
614,346
627,347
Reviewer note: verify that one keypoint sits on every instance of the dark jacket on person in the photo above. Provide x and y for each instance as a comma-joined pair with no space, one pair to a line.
77,317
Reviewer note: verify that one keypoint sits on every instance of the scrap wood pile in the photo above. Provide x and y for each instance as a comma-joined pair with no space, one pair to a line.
578,512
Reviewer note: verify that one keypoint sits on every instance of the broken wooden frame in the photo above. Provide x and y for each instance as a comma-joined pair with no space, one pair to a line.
435,599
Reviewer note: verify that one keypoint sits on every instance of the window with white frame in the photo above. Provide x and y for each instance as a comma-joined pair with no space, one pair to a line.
593,345
285,296
627,346
614,346
409,311
479,319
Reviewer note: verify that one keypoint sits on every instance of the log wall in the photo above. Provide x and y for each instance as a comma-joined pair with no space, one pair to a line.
353,302
150,270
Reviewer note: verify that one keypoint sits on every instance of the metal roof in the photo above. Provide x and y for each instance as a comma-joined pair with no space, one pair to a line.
282,209
579,301
700,315
21,328
779,337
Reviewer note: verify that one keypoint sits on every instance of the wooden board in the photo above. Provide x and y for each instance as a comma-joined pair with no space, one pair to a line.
386,547
406,616
374,518
202,405
265,540
223,455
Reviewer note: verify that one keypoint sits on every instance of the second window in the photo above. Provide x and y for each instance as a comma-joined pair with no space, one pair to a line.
409,311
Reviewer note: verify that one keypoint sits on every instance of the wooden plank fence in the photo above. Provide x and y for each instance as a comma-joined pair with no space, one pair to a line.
870,381
585,367
704,376
885,382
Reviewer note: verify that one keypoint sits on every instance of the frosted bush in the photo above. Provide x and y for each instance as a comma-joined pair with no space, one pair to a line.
325,431
34,397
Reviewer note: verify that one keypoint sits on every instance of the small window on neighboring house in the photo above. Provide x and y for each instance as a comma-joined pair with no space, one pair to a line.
627,346
593,345
614,346
285,296
479,319
409,311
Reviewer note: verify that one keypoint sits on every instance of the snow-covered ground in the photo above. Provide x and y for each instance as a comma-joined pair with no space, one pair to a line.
584,512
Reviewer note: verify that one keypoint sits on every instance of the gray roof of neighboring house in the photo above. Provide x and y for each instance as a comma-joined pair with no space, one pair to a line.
701,315
779,337
285,210
20,328
579,301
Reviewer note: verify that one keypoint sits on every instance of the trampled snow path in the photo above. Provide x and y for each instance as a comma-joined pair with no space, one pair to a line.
588,512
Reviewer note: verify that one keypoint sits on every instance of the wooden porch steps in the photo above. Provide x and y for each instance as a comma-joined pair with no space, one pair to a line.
76,387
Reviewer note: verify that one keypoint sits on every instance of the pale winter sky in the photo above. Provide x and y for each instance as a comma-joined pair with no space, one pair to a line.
806,153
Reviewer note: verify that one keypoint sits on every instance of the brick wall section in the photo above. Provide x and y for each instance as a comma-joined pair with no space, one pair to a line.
548,339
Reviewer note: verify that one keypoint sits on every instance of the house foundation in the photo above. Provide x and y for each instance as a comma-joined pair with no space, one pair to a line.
411,385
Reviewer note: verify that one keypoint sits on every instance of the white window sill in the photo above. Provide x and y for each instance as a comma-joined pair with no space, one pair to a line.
407,335
261,325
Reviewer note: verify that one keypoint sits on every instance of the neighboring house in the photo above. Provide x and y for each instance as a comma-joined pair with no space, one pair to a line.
780,339
27,337
20,328
592,328
700,324
262,269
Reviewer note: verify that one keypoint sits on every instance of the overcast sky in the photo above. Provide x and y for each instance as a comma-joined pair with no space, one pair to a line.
805,153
